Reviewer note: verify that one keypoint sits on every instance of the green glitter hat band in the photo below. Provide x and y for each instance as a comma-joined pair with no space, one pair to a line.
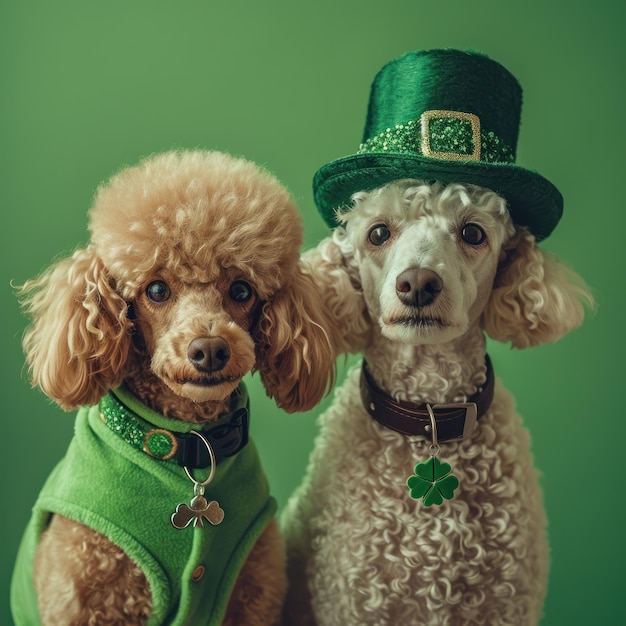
448,135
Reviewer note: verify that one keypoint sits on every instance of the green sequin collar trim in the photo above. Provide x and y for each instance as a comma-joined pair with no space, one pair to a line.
160,437
446,135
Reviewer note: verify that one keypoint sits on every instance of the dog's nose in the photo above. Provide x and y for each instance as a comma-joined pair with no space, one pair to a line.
208,354
418,287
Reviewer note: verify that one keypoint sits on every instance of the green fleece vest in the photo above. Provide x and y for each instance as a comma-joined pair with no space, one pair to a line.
128,496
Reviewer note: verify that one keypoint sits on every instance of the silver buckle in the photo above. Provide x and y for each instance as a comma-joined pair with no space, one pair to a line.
471,417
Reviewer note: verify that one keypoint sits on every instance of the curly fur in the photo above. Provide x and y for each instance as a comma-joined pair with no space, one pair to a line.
199,221
536,300
197,215
360,550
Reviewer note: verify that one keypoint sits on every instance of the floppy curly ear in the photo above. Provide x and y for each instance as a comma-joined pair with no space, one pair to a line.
337,281
318,316
294,350
78,341
536,299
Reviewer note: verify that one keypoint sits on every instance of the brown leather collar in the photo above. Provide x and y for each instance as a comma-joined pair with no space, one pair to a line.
454,421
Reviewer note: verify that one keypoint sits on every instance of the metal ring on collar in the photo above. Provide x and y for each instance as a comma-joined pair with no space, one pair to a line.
434,446
213,462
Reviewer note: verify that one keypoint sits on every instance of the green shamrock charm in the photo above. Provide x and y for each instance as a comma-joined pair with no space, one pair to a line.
432,481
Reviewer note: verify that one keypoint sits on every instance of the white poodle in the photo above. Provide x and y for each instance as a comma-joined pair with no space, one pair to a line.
415,274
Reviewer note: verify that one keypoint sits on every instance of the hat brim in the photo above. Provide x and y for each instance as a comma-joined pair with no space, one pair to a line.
532,200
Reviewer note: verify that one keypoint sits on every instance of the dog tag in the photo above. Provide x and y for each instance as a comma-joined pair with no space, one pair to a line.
433,480
199,508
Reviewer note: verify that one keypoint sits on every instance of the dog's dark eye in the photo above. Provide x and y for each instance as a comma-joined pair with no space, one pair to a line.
473,234
240,291
378,235
158,291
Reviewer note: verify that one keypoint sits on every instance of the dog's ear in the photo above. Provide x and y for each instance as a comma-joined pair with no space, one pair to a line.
294,351
536,299
78,340
318,316
335,272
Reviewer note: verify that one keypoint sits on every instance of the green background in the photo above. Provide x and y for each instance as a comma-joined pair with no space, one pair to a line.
88,87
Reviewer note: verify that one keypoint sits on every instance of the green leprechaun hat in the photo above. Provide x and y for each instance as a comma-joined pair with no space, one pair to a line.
443,115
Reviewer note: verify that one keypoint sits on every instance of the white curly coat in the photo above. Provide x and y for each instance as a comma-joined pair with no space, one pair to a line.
361,550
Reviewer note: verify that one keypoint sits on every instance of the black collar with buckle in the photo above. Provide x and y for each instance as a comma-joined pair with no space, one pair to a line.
454,421
227,436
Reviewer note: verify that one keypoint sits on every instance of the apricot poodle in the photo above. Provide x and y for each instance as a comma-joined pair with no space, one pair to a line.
192,279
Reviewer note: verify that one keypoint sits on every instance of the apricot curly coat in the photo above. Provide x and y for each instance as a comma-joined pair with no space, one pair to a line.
199,223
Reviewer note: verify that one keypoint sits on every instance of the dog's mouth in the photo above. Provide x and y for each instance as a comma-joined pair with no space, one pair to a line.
209,380
419,322
204,388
